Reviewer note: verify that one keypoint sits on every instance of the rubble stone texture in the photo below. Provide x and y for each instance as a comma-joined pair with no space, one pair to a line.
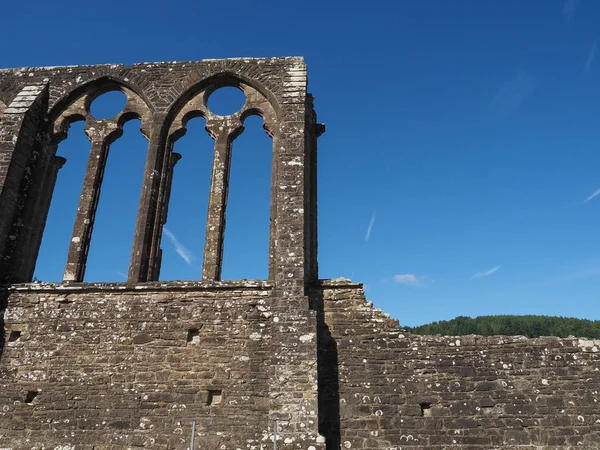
129,365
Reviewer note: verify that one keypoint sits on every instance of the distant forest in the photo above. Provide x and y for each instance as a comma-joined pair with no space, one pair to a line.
530,326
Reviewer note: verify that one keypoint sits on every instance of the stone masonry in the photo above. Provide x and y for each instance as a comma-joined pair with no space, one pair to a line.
130,365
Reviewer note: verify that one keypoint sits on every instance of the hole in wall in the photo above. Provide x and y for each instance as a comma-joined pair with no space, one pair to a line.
226,101
214,397
425,409
31,396
183,235
108,105
14,336
193,336
54,248
246,247
114,226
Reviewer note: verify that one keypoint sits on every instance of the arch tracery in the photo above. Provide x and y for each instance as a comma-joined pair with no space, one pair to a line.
163,96
223,130
197,105
78,108
101,133
162,128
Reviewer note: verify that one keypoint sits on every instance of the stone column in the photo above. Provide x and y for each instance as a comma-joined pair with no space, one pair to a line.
223,134
164,197
140,267
269,128
101,136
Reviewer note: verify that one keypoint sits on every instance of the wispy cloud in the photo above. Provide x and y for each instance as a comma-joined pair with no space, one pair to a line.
370,228
486,273
590,272
187,255
409,279
121,274
591,56
514,92
569,9
570,274
592,196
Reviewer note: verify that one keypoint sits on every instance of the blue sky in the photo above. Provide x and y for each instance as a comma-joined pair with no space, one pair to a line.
459,168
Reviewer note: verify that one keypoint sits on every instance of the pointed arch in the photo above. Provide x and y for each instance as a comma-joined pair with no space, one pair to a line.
94,88
246,236
216,81
260,101
74,107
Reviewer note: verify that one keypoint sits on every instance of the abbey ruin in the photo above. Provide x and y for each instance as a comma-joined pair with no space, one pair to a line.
129,365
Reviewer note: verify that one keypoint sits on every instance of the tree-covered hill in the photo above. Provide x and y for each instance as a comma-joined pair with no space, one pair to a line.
530,326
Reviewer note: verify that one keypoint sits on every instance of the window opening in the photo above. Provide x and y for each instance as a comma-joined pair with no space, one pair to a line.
108,105
247,228
226,101
54,248
114,226
183,235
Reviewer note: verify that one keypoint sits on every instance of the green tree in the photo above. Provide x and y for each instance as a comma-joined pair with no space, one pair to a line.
530,326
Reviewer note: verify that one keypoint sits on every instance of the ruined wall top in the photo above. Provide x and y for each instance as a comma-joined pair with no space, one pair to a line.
161,83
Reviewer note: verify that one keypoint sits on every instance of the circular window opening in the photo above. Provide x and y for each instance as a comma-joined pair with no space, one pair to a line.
108,105
226,101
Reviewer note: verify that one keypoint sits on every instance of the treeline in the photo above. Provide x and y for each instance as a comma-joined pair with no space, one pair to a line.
530,326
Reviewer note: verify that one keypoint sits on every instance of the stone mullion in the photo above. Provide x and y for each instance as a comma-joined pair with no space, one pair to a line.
160,217
164,197
86,212
273,204
215,223
140,266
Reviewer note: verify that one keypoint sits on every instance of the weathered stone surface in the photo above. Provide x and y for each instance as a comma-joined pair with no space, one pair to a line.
122,368
129,365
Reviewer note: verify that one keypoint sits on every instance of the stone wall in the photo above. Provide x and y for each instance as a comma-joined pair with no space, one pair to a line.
398,390
103,366
107,366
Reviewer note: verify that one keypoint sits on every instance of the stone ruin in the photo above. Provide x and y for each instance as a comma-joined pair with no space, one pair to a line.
129,365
